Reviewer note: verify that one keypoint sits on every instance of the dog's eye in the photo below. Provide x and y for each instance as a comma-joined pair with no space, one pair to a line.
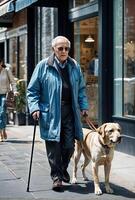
118,130
111,130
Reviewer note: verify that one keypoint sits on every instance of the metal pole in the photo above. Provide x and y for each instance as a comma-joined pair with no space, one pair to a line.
35,123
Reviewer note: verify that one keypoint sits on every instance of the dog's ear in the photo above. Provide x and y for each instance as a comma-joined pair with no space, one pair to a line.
101,130
119,127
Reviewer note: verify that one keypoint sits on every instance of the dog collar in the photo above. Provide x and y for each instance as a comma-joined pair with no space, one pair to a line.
105,147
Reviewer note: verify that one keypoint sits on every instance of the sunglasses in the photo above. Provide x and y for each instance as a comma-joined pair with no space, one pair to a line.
63,48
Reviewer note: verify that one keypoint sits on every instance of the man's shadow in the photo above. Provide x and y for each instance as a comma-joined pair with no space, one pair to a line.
88,187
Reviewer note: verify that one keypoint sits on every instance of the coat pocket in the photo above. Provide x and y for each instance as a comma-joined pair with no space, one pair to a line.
45,118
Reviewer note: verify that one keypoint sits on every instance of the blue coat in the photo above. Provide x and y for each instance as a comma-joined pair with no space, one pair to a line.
44,94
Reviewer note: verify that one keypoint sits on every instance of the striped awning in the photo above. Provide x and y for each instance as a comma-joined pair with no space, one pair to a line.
21,4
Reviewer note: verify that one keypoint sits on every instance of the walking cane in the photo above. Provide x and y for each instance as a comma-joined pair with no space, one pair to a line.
35,123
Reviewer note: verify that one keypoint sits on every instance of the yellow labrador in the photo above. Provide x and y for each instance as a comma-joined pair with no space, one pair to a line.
97,147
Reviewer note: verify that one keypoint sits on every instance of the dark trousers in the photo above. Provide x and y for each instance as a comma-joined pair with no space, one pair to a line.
59,153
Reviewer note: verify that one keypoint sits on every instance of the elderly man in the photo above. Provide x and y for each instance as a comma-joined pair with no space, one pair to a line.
56,97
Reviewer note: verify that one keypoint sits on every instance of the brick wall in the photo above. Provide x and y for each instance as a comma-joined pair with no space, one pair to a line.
20,19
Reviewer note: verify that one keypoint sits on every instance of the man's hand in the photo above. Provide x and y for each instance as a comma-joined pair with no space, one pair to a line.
35,115
84,113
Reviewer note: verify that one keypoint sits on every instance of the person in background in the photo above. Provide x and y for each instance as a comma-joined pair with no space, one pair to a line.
94,65
6,83
56,97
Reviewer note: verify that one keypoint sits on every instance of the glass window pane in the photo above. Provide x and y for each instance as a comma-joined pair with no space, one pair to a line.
77,3
85,52
118,57
23,57
13,55
129,58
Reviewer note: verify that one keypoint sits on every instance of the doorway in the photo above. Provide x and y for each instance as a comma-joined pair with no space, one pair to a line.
86,53
2,50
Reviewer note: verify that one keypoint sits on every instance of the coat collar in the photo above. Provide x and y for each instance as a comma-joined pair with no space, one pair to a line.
51,59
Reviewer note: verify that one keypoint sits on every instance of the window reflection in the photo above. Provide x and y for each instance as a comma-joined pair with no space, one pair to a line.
86,53
118,56
129,58
13,55
23,57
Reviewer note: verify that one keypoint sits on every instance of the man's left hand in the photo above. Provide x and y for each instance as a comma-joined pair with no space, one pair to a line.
84,113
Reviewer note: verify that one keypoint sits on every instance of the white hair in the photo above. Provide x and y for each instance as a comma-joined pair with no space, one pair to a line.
55,40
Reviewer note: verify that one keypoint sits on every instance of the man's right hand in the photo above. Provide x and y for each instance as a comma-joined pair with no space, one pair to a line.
35,115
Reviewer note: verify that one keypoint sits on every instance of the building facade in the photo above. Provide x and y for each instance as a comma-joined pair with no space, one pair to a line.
103,42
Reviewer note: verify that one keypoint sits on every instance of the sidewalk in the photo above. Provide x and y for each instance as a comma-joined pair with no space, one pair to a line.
14,166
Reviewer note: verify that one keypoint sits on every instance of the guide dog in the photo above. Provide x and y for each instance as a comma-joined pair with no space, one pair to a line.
98,147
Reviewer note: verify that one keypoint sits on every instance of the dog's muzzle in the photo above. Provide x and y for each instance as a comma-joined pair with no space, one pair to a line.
117,141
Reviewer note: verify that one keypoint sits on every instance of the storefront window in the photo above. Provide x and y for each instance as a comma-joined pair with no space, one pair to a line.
86,53
23,57
118,53
13,55
124,58
129,58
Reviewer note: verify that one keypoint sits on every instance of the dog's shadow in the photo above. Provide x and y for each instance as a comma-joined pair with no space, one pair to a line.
88,187
122,191
80,187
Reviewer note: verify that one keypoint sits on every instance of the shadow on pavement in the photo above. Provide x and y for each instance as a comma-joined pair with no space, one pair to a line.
82,188
86,188
20,141
122,191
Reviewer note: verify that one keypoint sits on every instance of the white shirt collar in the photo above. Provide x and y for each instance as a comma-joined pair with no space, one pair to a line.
62,65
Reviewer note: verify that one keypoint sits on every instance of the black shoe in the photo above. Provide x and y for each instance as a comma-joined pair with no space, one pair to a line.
66,177
57,185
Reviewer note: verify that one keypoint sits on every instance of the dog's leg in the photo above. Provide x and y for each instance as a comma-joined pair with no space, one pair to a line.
107,168
84,165
76,158
1,136
98,191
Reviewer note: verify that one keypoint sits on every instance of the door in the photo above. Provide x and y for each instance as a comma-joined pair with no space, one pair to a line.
86,53
2,50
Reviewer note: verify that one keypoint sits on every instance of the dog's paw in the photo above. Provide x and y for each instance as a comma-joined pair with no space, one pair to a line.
74,181
109,190
98,191
85,179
